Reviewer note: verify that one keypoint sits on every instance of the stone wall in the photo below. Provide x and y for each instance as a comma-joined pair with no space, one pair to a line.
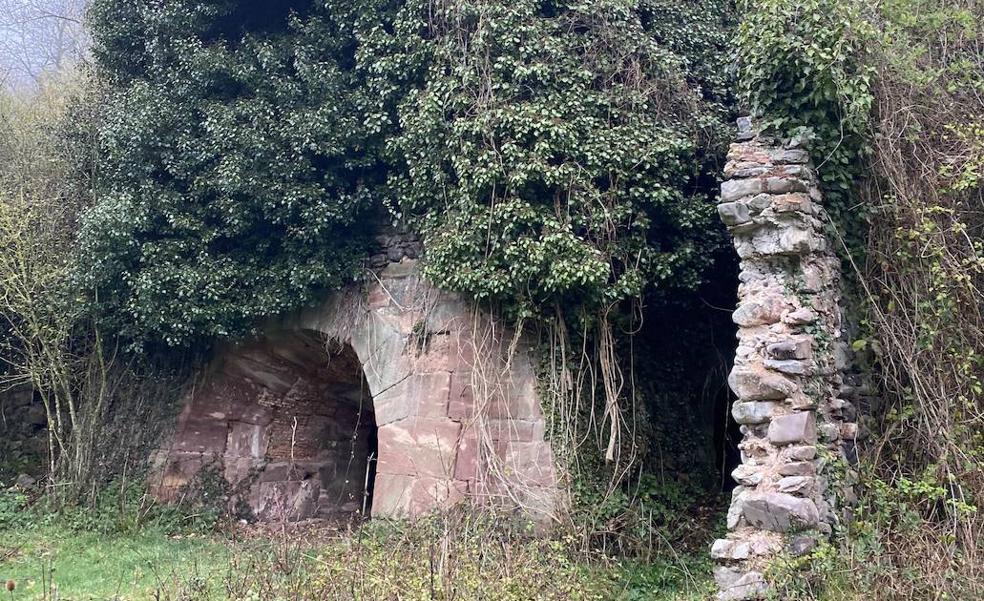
788,371
23,435
455,415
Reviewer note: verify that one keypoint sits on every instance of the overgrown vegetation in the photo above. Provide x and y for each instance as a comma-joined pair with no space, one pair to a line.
227,161
891,93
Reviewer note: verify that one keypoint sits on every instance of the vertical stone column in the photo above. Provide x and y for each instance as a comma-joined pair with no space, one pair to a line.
787,373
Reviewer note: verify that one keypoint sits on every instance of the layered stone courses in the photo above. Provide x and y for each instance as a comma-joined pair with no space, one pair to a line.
288,418
788,370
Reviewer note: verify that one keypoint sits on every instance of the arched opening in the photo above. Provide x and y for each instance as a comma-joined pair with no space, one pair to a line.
290,419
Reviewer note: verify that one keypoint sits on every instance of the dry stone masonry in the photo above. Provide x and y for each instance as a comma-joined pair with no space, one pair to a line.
788,368
391,398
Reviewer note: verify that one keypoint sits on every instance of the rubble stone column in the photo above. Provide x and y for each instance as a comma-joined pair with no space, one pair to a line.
789,362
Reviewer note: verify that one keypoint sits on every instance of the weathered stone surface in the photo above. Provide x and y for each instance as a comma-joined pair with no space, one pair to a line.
246,440
753,412
779,512
791,348
735,189
795,428
761,310
791,156
418,446
799,317
749,586
733,213
755,383
790,367
288,500
804,453
798,468
730,549
401,496
738,496
747,475
785,185
800,485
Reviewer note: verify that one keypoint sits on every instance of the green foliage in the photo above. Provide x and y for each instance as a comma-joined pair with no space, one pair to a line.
547,151
12,506
235,165
874,551
551,151
802,69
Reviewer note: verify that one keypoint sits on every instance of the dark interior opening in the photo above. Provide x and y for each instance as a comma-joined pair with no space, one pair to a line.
315,453
684,352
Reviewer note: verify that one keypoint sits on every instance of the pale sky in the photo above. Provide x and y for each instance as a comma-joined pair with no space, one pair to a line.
37,36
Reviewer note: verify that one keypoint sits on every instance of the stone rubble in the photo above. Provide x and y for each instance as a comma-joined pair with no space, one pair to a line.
789,368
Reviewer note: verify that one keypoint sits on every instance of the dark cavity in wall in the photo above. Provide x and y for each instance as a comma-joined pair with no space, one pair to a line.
291,420
683,353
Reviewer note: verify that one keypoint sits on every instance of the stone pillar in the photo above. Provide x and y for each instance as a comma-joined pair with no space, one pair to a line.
789,363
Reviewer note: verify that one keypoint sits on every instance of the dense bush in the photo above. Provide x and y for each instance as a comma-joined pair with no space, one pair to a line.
236,164
547,151
802,70
551,151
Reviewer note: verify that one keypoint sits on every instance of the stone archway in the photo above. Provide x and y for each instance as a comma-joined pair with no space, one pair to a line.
411,361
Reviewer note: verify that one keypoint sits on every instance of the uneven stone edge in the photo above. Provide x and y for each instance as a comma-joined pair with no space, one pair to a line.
789,364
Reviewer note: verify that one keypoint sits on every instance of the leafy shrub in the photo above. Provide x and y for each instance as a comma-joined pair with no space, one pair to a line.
236,165
552,152
13,504
802,69
547,151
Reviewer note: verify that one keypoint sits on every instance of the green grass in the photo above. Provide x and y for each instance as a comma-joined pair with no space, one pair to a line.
382,561
89,566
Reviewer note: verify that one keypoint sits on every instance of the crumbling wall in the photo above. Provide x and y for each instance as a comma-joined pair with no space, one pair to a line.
788,371
449,392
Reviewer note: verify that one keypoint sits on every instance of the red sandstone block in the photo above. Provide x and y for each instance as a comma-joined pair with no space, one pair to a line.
529,464
430,394
246,440
445,352
401,496
461,402
418,446
519,430
202,435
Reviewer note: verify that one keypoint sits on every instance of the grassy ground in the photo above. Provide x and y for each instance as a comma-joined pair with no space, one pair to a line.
464,559
97,566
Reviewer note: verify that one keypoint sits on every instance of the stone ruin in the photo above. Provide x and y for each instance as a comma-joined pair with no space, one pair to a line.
791,367
392,399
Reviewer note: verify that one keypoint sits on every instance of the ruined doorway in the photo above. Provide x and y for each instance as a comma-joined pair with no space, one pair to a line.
340,410
288,419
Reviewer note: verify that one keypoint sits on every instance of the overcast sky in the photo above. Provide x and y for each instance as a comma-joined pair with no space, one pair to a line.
38,36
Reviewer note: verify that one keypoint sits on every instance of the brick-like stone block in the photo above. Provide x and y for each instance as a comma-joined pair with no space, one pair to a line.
461,399
402,496
291,500
755,383
779,512
753,412
246,440
796,428
419,446
760,310
202,436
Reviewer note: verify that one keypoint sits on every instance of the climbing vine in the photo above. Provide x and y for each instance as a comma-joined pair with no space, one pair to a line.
802,71
549,151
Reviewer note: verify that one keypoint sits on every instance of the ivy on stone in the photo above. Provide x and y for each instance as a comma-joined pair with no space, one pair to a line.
550,152
235,165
